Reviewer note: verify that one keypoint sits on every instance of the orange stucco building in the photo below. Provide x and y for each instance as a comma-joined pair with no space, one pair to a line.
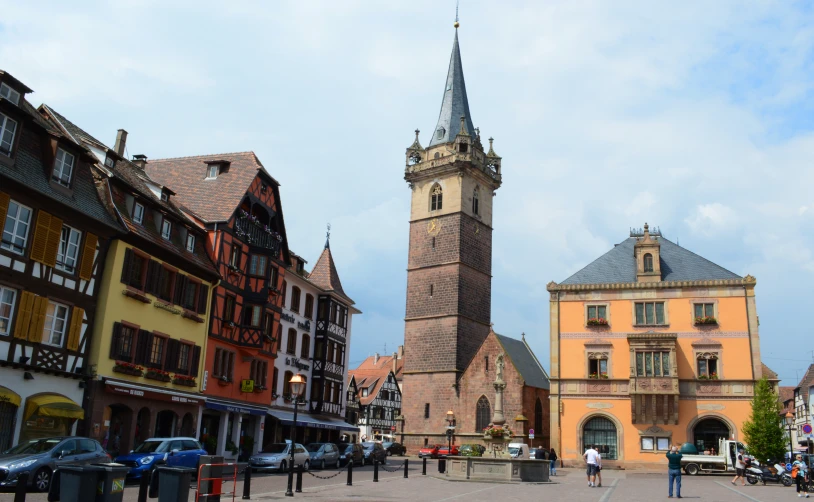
651,345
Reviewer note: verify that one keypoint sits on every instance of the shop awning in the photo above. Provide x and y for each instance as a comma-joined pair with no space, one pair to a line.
9,396
52,405
306,420
235,407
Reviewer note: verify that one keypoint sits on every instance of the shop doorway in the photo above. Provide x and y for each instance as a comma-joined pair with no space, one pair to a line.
165,422
187,426
210,424
116,439
707,432
142,427
600,433
8,420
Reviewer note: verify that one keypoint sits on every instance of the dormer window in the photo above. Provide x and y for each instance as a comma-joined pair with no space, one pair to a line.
439,133
10,94
212,171
165,196
166,229
191,243
138,213
463,147
8,128
648,262
63,168
109,161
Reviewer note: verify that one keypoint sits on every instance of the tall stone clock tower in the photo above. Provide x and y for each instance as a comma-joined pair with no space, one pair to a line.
449,274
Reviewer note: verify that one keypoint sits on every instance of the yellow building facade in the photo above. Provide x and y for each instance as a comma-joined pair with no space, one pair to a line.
651,346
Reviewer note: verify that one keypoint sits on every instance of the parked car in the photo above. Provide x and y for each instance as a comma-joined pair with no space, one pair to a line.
472,450
39,457
519,450
394,448
351,452
174,452
323,454
430,451
443,452
374,451
275,457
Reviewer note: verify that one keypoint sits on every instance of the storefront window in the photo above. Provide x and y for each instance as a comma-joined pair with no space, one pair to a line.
47,415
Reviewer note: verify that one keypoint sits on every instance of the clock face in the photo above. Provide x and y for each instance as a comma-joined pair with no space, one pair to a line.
433,227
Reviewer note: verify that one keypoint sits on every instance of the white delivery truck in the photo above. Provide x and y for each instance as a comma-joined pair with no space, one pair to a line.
711,464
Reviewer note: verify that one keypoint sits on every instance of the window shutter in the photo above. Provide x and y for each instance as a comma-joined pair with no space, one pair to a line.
153,277
88,254
196,361
23,321
127,268
230,371
143,343
116,340
44,245
35,331
75,330
203,297
5,199
180,288
171,359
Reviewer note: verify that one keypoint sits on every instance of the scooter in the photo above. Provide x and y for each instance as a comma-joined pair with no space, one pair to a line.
756,473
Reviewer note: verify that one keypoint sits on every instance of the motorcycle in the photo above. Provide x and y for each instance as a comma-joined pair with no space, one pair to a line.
756,472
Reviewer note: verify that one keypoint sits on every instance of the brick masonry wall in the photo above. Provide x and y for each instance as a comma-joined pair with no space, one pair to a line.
442,282
447,242
430,345
475,295
470,336
438,390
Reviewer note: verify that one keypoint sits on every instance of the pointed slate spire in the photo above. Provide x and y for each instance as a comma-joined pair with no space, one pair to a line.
455,104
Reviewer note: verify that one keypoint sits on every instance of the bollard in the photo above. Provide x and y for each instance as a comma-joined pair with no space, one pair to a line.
424,467
143,488
299,480
247,482
375,471
405,467
22,483
350,473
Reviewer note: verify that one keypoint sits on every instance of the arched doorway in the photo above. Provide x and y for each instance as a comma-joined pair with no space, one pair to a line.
600,433
165,424
116,438
707,432
187,426
142,431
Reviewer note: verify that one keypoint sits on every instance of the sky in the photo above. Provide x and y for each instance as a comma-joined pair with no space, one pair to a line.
692,116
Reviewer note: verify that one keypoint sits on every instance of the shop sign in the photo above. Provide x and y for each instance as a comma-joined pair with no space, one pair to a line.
41,423
304,325
288,318
146,394
247,386
293,361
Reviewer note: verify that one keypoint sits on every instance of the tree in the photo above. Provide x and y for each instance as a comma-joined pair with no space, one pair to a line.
763,431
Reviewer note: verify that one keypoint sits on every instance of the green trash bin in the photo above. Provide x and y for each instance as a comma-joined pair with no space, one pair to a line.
173,483
110,479
76,483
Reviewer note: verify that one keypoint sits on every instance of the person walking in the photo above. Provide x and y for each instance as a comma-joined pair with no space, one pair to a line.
552,456
674,471
598,467
590,457
740,468
799,473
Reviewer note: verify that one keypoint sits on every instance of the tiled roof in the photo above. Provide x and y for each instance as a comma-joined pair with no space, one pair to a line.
212,200
806,382
324,274
769,373
455,104
374,374
677,264
786,394
525,362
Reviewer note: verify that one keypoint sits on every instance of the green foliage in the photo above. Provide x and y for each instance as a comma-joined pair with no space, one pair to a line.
763,431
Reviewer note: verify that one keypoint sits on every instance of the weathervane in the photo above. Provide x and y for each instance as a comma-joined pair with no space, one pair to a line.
456,15
328,237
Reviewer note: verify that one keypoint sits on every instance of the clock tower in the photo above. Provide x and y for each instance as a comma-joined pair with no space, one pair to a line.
449,272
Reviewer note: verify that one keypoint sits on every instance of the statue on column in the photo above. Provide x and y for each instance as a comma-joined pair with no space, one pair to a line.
498,435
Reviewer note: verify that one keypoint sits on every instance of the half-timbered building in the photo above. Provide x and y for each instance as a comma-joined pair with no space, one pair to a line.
237,202
379,396
54,235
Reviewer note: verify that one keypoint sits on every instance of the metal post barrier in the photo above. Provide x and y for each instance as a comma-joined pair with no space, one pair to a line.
143,488
424,467
405,467
350,473
299,480
247,482
375,471
22,483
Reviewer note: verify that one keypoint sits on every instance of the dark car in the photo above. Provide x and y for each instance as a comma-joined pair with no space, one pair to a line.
323,454
472,450
374,451
394,448
39,457
351,452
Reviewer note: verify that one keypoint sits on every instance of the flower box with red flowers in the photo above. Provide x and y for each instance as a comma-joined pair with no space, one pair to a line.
185,380
158,374
497,432
597,321
706,320
128,368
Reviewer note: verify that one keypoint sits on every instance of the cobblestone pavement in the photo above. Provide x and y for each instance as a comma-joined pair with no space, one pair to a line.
570,484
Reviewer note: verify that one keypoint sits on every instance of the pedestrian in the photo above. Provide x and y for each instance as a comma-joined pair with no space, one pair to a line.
598,467
740,468
674,471
552,456
590,457
799,473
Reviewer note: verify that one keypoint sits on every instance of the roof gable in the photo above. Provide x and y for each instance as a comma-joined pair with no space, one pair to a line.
525,362
325,275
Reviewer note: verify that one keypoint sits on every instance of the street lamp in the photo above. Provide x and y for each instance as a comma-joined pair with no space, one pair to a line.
450,430
789,421
297,386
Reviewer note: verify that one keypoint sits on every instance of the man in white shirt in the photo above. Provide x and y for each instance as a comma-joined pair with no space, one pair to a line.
591,457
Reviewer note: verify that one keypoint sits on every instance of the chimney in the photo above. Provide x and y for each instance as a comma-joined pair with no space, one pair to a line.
375,358
395,362
401,352
121,141
140,161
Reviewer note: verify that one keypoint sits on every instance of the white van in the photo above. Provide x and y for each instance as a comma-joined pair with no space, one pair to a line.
519,450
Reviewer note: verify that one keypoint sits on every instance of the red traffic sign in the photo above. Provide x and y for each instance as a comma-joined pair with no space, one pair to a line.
807,429
531,432
392,427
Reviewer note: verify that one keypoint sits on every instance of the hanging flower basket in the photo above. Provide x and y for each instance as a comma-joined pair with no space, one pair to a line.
706,320
597,321
128,368
157,374
184,380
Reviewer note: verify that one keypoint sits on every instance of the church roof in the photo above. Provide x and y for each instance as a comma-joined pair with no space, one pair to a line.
524,361
324,274
677,264
454,104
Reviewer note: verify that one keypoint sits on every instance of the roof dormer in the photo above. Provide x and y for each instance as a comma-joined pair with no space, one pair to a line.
215,168
646,251
11,89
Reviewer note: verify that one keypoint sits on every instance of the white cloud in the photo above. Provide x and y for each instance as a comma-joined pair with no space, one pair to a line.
712,219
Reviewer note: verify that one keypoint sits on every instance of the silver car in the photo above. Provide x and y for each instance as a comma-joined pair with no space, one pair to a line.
323,454
39,457
276,457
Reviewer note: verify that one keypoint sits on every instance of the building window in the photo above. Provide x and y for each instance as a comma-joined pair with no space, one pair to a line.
184,352
8,128
166,284
305,350
166,229
291,344
135,274
138,213
650,364
7,299
123,342
257,372
56,321
223,365
287,385
63,167
229,309
648,262
10,94
426,410
704,310
648,313
191,243
275,377
156,359
252,316
486,362
274,276
257,265
436,198
295,299
483,414
282,293
600,433
707,366
475,201
234,256
598,368
597,314
212,171
68,251
190,298
15,231
165,196
309,306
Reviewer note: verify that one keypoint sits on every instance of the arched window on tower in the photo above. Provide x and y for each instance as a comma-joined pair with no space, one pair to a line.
483,414
436,198
475,201
648,262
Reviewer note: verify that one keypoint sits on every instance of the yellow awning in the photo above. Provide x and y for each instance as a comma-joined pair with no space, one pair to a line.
9,396
52,405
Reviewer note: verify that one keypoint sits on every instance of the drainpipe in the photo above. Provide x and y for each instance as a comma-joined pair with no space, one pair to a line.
748,328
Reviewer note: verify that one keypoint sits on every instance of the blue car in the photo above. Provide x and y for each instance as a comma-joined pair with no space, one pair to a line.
173,452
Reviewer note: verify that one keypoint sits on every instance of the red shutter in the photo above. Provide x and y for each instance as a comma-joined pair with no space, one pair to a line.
203,297
144,342
196,361
116,340
127,268
171,360
180,288
153,281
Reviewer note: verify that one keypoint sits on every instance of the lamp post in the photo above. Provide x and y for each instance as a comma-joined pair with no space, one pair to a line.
297,386
450,430
789,421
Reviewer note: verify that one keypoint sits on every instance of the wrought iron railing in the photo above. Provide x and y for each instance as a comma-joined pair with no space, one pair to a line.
257,234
